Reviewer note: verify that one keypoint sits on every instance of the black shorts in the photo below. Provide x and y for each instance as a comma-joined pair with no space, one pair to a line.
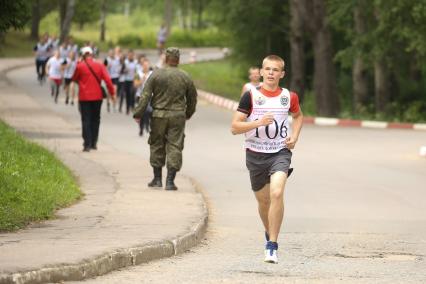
262,165
67,81
114,81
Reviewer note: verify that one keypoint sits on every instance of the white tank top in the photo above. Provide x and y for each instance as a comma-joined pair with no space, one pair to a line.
271,138
70,69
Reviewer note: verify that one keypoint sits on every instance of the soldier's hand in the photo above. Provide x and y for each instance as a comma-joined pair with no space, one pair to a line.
138,120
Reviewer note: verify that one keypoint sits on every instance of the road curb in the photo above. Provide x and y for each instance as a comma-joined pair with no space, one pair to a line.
117,258
320,121
110,261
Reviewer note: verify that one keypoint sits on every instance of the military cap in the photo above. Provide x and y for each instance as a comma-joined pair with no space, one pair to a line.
173,52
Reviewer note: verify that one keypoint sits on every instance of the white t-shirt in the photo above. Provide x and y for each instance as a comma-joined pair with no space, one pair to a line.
42,50
64,51
54,70
113,67
131,69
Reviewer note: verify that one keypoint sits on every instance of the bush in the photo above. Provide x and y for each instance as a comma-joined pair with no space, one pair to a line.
130,40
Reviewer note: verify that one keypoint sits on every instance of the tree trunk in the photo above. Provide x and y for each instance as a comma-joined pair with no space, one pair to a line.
381,86
360,84
297,82
168,14
103,18
200,8
62,11
359,71
66,27
190,22
35,20
327,100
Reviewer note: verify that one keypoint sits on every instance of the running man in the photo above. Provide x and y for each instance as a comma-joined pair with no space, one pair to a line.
263,115
42,54
142,75
54,68
68,73
130,71
254,77
112,64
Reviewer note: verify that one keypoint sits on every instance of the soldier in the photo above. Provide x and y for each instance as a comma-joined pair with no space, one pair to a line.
173,98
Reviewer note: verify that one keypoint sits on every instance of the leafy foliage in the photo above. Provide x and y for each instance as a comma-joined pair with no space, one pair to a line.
13,14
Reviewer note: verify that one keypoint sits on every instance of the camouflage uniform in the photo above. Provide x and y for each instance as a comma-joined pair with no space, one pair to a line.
173,98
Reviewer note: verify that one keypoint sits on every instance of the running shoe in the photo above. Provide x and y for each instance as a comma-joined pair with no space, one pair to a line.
271,252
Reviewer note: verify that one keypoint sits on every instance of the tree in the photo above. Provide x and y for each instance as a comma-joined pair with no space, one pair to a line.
103,18
87,12
13,14
359,70
35,19
66,25
297,75
327,100
168,14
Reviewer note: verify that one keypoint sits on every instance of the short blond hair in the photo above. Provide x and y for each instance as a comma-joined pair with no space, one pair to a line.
275,58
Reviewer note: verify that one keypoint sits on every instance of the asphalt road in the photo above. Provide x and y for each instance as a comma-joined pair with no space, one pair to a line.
355,209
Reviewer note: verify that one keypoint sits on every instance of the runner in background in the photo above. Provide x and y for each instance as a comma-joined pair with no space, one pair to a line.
254,77
112,64
42,54
142,75
54,69
54,44
130,67
121,82
68,73
161,38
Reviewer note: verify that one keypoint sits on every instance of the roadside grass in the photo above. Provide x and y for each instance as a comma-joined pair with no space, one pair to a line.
16,44
220,77
33,182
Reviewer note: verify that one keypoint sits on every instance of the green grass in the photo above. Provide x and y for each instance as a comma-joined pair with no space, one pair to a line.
219,77
16,44
33,183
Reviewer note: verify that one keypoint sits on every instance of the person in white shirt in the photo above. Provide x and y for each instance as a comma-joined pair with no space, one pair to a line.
143,73
112,63
42,54
121,82
161,38
54,69
130,71
54,44
71,62
254,77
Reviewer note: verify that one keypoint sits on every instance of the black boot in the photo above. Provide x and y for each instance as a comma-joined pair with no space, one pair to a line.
156,182
170,180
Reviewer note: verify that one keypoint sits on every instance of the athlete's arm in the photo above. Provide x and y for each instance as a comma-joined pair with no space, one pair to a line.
297,115
240,125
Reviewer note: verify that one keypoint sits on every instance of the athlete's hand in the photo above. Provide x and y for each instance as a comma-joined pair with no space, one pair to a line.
266,119
138,120
290,142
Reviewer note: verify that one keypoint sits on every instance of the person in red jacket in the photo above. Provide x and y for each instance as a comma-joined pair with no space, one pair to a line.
89,74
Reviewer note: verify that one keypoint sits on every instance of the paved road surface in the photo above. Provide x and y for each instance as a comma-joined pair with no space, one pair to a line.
355,205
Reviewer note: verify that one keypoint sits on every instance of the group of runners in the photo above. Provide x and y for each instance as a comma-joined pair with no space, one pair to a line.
57,61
